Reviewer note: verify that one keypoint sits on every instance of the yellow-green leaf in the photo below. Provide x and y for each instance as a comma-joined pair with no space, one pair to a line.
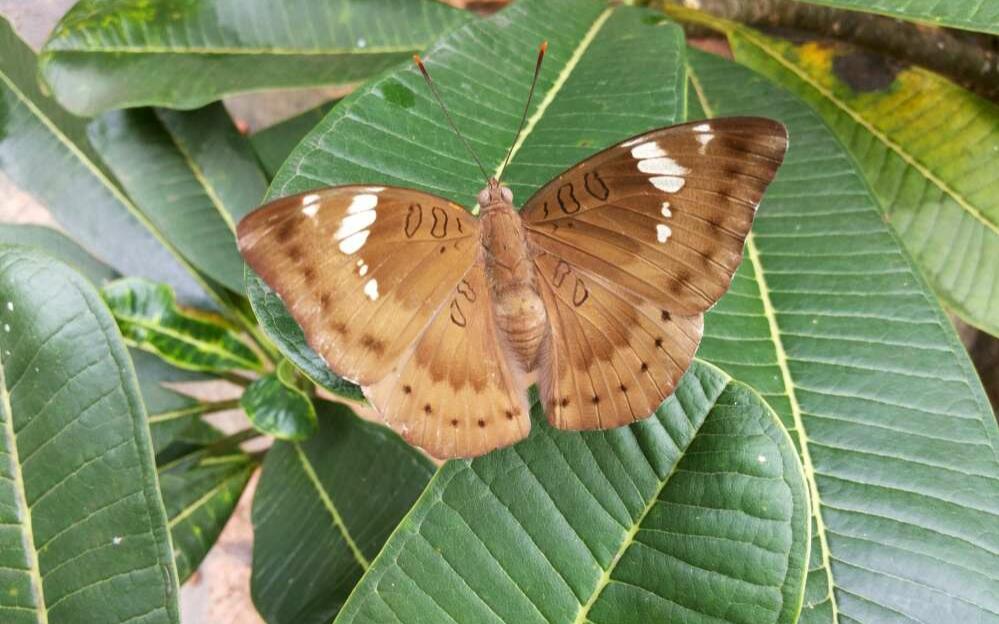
150,319
927,147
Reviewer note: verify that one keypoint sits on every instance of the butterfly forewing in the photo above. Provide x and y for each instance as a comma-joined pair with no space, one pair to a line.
363,269
456,392
665,214
610,358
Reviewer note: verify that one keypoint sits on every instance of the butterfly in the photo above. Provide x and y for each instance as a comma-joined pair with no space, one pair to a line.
597,286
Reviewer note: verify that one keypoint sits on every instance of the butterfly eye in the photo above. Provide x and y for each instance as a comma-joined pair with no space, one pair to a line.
507,194
484,197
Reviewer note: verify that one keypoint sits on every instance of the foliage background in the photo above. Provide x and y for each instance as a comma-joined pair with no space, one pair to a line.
21,209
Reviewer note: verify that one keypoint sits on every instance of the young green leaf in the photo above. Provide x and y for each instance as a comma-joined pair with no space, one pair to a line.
192,174
609,73
279,410
200,491
698,514
98,56
322,511
273,144
979,15
828,319
45,152
150,320
83,530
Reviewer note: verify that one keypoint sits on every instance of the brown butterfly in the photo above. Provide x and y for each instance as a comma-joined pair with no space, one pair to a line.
598,284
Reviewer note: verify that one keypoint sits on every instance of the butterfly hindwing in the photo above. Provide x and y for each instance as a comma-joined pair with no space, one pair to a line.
362,269
610,358
665,214
456,392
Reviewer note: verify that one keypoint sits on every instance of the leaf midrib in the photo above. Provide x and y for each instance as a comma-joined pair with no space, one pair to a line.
327,502
20,495
788,381
183,338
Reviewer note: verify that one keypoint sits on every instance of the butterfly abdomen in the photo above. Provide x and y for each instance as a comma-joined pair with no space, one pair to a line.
520,312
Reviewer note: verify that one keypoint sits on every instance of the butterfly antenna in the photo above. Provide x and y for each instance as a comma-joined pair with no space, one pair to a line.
440,100
527,106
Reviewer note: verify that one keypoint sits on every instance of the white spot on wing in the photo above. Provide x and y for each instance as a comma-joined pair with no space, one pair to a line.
647,150
702,127
354,223
310,210
375,189
371,289
704,139
310,199
662,166
663,232
362,202
666,211
634,141
667,184
353,243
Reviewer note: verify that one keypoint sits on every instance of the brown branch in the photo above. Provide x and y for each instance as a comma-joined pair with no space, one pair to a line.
971,61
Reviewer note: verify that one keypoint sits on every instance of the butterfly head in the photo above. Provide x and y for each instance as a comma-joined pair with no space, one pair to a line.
495,194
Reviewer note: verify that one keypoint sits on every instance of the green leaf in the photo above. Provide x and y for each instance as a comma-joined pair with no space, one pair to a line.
150,320
273,144
925,146
979,15
45,152
59,246
170,413
698,514
200,491
183,54
193,176
83,530
391,131
322,511
279,410
830,322
288,336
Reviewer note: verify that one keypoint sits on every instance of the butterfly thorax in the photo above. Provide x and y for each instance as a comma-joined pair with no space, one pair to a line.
520,312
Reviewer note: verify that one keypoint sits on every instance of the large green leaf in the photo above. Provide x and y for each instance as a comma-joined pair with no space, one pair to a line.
828,320
169,412
273,144
698,514
184,54
200,491
980,15
322,511
45,151
192,174
927,148
609,74
150,320
82,527
60,247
